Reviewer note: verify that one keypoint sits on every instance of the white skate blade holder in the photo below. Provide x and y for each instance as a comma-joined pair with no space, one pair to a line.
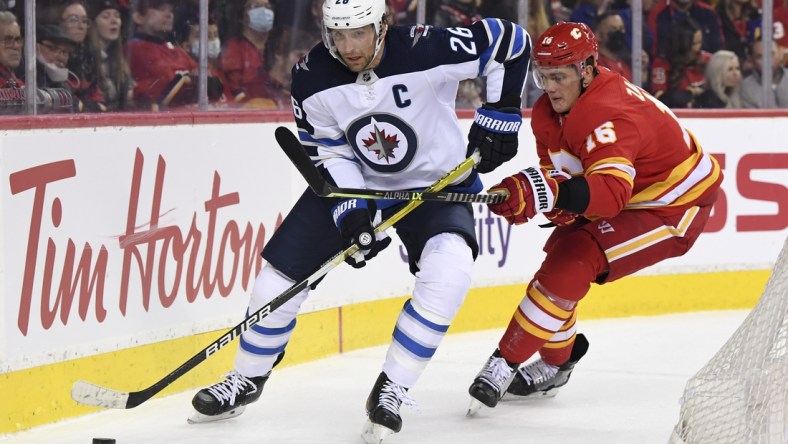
374,433
199,418
474,407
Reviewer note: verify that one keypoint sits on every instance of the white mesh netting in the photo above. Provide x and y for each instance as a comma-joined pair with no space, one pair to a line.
740,395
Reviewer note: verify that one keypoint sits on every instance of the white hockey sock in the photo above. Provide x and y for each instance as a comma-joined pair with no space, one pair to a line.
263,343
441,286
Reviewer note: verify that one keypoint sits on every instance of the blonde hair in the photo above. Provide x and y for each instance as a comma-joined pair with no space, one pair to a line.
537,18
715,78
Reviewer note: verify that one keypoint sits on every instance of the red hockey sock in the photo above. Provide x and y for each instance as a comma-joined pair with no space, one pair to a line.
534,323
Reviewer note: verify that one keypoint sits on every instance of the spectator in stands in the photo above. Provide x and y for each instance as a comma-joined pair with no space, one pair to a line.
752,90
402,11
780,20
678,77
106,45
587,11
734,16
723,82
507,9
456,13
165,74
560,10
666,13
218,90
53,48
538,22
779,29
624,9
286,47
538,18
11,43
72,17
243,58
613,51
313,23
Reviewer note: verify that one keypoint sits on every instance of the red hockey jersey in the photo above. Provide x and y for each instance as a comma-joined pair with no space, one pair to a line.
162,72
630,147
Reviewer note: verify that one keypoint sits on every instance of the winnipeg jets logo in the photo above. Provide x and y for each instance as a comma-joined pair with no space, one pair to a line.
383,142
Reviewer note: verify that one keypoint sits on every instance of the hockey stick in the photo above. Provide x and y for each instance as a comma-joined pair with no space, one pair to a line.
88,393
295,151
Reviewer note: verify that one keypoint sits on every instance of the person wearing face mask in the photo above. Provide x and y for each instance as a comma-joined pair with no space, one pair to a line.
53,48
188,32
72,18
243,58
609,31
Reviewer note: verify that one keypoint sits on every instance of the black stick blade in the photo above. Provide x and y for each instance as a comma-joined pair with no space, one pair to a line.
300,159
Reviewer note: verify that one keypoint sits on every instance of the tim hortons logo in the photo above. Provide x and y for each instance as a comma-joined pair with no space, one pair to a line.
169,261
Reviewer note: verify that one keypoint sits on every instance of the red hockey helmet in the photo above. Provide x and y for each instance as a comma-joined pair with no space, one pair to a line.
565,43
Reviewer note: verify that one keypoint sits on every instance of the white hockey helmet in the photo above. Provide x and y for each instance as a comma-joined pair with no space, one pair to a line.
352,14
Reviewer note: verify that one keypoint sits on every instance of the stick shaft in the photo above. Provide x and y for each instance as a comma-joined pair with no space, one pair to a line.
91,394
320,186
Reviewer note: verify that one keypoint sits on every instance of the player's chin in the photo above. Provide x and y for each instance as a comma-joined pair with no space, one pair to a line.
559,105
356,66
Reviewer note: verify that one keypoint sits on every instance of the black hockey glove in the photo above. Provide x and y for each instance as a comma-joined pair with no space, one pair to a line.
494,133
352,217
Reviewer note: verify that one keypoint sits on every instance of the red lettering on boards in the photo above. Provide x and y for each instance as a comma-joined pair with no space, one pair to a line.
166,260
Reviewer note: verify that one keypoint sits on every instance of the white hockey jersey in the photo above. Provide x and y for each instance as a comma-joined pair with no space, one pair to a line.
395,126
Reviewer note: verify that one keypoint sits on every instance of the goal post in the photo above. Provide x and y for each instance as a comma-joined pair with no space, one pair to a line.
741,395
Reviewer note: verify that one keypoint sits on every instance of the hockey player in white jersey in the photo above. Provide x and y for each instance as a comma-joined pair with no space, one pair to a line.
374,106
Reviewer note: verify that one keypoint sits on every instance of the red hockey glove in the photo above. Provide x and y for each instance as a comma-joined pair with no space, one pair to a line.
530,191
560,217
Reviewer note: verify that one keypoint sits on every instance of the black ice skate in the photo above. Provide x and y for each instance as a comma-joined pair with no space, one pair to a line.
383,410
542,380
227,399
491,383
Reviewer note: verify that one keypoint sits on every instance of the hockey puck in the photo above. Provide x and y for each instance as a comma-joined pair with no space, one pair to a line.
103,440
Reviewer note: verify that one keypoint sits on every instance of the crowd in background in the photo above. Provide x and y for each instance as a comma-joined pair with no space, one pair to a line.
142,55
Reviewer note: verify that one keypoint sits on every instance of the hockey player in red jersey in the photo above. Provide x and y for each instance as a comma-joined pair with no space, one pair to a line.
626,186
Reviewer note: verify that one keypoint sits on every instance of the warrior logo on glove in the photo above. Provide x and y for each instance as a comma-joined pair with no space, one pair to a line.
533,190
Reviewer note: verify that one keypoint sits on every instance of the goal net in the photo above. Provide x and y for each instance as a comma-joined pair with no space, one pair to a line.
740,396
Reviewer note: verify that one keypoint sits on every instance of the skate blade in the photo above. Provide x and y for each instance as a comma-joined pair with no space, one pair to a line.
474,407
375,433
509,397
199,418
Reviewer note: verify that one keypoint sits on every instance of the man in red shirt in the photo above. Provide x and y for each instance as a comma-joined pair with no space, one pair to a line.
164,73
626,187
